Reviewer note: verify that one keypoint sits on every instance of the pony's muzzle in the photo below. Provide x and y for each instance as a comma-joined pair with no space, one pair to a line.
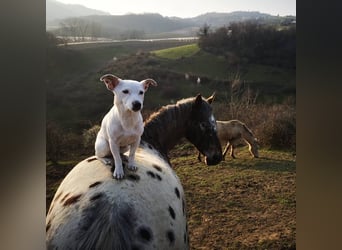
214,160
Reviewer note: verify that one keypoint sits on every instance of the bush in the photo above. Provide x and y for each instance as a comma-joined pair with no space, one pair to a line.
273,125
89,137
253,42
54,142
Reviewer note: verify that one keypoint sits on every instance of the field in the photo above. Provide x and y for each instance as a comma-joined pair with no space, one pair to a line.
243,203
73,77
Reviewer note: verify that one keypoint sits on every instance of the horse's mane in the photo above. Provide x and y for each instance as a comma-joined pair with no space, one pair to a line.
169,118
165,112
247,129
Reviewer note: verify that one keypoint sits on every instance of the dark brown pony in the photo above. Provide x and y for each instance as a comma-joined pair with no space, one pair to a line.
191,118
146,209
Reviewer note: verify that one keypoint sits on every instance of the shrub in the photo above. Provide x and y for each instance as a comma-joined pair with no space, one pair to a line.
89,137
273,125
54,142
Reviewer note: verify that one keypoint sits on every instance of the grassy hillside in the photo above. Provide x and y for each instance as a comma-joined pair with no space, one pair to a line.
77,100
239,204
177,52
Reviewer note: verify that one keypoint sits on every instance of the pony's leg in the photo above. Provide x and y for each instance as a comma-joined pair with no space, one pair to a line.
232,151
225,150
199,156
253,149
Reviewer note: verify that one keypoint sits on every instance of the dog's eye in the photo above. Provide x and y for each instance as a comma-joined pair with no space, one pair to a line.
141,92
125,91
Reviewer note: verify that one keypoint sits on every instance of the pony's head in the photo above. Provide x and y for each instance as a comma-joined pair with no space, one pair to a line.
254,148
201,130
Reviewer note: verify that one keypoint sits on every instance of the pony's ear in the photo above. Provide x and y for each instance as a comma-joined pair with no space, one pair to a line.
198,100
211,98
110,80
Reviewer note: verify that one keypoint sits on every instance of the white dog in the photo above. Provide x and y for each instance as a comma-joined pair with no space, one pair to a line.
122,126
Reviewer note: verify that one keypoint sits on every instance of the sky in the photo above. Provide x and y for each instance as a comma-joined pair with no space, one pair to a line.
188,8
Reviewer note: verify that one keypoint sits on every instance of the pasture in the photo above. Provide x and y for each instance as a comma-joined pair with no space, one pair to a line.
243,203
239,204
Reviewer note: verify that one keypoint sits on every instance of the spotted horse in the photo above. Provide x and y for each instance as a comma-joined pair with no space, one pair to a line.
145,210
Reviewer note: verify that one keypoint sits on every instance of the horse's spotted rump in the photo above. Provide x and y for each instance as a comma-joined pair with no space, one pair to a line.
133,177
135,247
96,196
57,196
172,212
171,237
95,184
151,174
48,225
91,159
154,175
65,196
158,177
177,192
72,200
145,233
157,167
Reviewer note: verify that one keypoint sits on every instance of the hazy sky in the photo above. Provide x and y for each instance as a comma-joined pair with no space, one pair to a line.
188,8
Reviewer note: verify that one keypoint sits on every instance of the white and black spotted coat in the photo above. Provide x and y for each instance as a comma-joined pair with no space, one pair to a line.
145,210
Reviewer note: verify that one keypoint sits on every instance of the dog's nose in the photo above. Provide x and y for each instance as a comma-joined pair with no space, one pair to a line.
136,106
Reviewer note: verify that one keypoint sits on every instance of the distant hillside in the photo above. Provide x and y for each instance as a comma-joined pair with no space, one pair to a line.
220,19
58,10
146,25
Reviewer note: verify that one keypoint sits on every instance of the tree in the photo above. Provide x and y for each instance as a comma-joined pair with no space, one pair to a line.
79,29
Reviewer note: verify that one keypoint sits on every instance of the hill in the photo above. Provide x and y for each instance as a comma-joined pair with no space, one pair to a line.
82,65
57,10
146,25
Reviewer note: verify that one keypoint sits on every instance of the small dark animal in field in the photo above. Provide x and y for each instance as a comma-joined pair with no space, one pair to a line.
144,210
230,133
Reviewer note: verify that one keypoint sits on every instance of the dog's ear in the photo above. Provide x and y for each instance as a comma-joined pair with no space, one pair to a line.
211,98
147,82
110,80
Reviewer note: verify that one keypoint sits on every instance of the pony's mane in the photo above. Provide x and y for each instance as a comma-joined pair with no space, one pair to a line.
166,111
248,130
169,118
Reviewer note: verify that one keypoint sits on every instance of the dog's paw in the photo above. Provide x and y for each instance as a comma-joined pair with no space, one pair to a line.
118,173
108,162
132,167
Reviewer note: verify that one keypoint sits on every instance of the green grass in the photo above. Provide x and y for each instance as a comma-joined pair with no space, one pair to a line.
269,74
177,52
243,203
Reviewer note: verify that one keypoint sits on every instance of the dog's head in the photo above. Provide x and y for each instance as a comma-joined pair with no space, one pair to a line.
128,93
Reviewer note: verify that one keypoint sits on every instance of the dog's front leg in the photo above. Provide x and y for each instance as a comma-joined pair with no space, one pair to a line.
131,156
115,149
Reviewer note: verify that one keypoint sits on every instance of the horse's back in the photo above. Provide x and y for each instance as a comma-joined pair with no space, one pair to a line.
228,130
145,210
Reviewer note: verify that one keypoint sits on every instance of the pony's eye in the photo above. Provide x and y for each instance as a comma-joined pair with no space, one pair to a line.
202,126
141,92
125,91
